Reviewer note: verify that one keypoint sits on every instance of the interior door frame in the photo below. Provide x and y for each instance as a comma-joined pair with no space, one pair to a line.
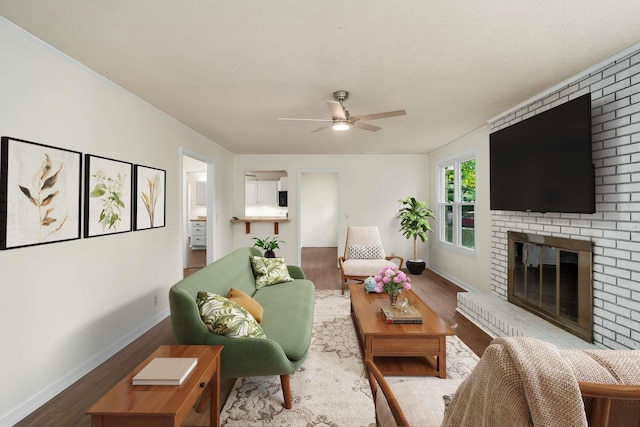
211,203
299,205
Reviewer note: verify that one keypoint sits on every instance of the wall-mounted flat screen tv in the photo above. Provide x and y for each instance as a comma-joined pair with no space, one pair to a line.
544,163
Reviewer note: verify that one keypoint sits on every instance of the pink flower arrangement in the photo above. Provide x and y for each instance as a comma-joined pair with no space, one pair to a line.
392,279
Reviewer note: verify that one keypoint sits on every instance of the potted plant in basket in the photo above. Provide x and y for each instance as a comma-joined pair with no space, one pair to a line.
269,245
414,223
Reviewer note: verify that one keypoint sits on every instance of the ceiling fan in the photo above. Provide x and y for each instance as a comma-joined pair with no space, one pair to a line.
340,118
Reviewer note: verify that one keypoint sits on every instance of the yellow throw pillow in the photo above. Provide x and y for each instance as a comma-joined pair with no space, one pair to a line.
247,302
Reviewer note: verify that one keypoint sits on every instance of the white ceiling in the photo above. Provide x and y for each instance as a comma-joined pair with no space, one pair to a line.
228,69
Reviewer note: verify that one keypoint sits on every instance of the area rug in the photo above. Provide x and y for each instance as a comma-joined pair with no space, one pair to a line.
331,387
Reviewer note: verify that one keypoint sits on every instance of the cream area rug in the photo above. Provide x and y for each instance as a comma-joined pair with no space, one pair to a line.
331,387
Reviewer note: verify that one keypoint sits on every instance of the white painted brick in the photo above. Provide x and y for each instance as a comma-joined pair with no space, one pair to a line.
629,226
608,88
616,104
604,332
617,328
628,149
617,272
629,207
629,168
630,91
626,342
629,246
591,80
616,68
604,260
569,90
603,314
617,253
617,235
616,197
626,111
614,308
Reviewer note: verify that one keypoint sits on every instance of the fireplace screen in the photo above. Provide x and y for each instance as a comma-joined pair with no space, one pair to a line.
552,278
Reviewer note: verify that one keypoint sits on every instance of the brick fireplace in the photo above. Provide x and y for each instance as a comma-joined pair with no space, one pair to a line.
614,229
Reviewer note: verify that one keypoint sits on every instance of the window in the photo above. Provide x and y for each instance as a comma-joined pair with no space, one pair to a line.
457,201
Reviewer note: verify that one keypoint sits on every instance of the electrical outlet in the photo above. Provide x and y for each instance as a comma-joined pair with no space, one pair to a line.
155,300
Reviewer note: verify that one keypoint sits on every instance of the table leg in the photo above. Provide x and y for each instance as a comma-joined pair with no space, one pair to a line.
442,360
214,394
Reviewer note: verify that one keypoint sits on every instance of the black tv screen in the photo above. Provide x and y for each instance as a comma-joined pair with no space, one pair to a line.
544,163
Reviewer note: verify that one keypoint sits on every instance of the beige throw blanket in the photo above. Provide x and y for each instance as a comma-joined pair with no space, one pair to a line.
518,382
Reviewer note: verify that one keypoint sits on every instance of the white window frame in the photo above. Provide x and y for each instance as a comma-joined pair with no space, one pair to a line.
456,238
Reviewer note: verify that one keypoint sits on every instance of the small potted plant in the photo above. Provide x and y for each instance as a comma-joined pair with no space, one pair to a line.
269,245
414,223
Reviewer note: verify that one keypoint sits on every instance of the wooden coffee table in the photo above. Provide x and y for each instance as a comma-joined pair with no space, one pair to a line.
162,405
400,349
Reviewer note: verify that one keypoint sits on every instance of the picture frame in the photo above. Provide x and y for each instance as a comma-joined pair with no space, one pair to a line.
150,197
40,193
107,196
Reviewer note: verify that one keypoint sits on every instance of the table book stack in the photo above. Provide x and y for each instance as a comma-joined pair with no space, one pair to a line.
392,314
165,371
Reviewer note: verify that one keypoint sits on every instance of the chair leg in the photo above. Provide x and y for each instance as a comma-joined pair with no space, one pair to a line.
286,391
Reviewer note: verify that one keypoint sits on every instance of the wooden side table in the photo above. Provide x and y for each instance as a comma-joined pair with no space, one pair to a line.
162,405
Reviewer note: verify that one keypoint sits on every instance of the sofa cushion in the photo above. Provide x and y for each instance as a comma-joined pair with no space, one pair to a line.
366,252
247,302
288,315
269,271
225,317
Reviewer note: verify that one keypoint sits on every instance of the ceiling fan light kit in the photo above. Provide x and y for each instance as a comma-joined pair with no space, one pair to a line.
340,126
341,120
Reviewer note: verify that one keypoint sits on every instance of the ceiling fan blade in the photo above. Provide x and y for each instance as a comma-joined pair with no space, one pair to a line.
336,110
381,115
365,126
322,127
305,120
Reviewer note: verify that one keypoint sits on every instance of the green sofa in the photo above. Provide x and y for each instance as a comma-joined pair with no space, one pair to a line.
287,318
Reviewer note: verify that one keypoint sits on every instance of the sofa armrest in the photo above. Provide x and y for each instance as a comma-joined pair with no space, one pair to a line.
296,272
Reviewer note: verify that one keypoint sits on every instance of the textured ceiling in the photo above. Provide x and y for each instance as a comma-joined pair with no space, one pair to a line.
228,69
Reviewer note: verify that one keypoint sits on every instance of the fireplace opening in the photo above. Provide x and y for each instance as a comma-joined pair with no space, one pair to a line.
552,278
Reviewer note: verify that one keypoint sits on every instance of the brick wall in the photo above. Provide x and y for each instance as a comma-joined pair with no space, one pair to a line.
615,227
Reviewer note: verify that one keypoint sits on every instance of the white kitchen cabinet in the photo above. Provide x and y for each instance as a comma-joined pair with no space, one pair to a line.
201,193
198,234
261,193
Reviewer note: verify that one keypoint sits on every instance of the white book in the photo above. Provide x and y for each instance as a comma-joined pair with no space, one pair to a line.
165,371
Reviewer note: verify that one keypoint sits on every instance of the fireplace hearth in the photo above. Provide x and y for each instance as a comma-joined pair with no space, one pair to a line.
552,278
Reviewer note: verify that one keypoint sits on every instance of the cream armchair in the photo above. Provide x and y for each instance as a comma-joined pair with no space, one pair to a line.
520,381
364,255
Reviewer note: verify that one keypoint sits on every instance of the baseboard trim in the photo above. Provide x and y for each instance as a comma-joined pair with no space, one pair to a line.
454,280
33,403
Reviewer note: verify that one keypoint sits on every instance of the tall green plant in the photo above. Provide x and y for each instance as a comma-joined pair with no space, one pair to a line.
414,218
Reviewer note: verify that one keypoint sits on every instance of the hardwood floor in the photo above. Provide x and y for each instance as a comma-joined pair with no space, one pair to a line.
320,266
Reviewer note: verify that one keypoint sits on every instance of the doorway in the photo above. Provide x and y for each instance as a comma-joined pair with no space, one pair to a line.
197,197
319,222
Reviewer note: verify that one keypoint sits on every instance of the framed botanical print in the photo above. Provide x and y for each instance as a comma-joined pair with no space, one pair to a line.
108,196
39,193
149,200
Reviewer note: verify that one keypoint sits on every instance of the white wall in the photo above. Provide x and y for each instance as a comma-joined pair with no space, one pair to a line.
370,187
319,209
471,271
66,307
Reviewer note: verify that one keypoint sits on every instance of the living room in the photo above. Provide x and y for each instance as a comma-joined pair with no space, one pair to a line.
68,306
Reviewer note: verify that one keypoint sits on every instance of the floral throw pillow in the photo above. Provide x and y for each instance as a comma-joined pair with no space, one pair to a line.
225,317
366,252
269,271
